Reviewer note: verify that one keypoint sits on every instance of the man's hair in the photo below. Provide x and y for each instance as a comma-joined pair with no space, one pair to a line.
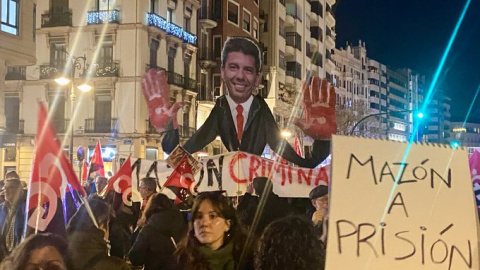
150,183
244,45
12,175
13,180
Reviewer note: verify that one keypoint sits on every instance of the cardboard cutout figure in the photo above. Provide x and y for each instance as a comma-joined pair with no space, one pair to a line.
244,121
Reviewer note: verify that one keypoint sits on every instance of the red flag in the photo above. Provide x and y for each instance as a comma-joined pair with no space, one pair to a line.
121,182
96,163
51,172
182,176
474,163
84,172
298,148
180,180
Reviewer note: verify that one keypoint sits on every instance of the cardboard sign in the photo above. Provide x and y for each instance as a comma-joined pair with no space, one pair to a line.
400,206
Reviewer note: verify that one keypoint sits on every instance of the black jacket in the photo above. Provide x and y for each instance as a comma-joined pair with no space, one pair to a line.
260,130
154,247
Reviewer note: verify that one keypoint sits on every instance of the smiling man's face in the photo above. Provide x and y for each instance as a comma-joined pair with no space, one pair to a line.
240,76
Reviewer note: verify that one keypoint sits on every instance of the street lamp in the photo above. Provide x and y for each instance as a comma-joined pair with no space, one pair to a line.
78,63
418,115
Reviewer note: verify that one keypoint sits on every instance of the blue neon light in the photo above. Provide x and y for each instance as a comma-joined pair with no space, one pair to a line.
103,16
170,28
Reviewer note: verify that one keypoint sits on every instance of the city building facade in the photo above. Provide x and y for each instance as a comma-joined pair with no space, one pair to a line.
466,134
17,50
438,126
109,44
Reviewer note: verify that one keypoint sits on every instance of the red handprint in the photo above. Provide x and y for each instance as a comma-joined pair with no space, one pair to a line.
320,121
157,94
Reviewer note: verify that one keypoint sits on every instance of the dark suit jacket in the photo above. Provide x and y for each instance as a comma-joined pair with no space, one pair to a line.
260,130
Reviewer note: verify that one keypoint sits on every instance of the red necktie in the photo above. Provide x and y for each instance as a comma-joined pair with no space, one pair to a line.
239,122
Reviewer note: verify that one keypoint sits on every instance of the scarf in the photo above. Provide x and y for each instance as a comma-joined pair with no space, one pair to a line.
220,259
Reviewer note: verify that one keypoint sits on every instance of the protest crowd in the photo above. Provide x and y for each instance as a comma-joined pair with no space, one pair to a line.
206,231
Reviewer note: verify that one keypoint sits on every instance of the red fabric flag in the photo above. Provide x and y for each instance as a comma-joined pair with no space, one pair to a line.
297,147
51,172
84,172
121,182
180,180
96,163
474,163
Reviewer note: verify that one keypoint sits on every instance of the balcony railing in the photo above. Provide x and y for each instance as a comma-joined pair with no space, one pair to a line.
103,16
170,28
150,129
294,40
308,50
175,79
16,73
15,127
190,84
106,69
317,8
101,125
186,131
57,19
49,72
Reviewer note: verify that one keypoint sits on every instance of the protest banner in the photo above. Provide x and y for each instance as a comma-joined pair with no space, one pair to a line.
234,170
399,206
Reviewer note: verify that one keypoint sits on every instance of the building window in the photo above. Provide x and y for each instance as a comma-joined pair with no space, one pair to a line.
233,12
169,15
217,47
10,13
105,55
186,24
281,27
103,112
56,105
246,20
10,153
58,54
256,34
105,4
153,53
12,114
151,153
154,7
217,82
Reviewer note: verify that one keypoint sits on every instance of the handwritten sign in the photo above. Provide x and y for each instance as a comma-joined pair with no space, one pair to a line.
234,170
395,206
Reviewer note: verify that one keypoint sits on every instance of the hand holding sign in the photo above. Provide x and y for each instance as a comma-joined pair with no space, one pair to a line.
320,121
157,94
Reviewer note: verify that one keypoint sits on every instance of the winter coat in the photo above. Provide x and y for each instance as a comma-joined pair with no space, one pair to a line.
18,225
89,251
154,246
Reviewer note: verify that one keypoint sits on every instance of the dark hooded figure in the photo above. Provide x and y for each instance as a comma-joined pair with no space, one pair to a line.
268,207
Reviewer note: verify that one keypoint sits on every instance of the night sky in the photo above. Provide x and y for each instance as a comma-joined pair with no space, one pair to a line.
414,34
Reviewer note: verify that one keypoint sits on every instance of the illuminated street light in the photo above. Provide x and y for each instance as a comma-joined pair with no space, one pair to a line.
78,63
417,114
286,133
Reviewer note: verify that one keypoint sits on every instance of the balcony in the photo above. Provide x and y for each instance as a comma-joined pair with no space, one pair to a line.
103,16
175,79
101,125
205,18
293,40
170,28
316,8
190,84
14,126
329,40
282,2
16,73
185,131
57,19
150,129
49,72
316,33
106,69
205,57
329,19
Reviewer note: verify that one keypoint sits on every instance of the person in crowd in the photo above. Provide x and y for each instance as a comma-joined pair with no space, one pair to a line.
273,208
241,119
319,198
157,240
100,183
89,185
215,240
289,243
147,187
87,243
12,215
2,192
39,251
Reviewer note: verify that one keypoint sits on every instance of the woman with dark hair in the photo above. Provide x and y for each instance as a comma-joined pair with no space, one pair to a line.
157,240
87,243
215,240
290,243
39,251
